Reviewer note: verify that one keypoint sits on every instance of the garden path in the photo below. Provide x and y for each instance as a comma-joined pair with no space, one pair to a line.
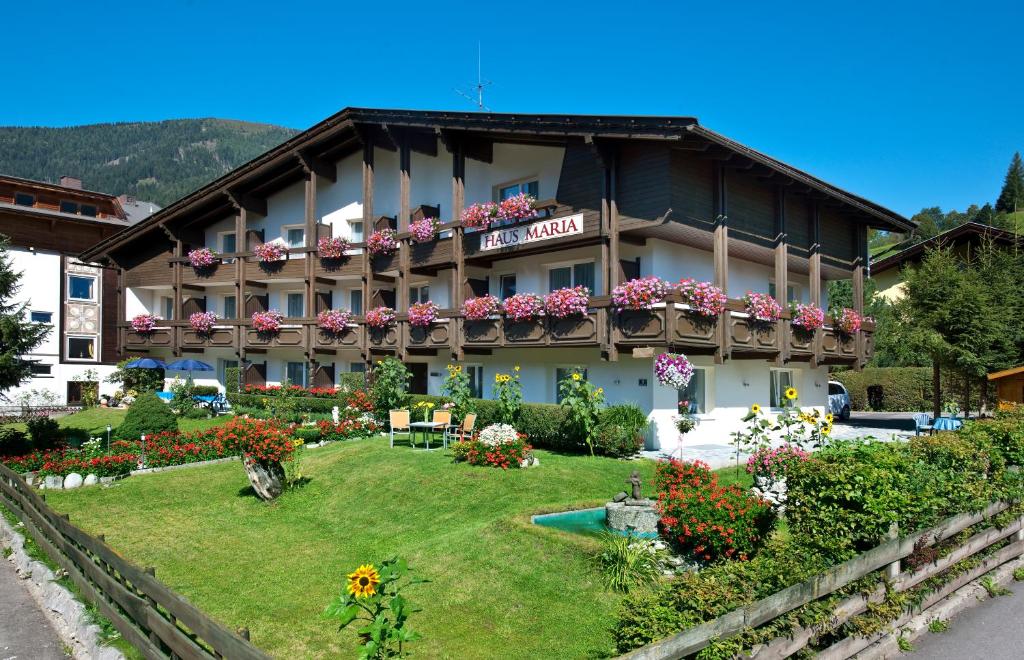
25,632
992,630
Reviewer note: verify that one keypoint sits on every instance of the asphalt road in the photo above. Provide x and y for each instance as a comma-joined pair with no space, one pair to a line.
25,633
993,630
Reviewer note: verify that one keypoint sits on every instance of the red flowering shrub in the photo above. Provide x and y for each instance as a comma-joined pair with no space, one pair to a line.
503,455
359,400
709,521
266,441
346,428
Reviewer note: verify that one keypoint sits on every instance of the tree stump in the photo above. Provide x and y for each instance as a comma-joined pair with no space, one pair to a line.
267,479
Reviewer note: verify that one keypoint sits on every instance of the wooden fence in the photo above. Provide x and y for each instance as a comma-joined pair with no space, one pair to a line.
888,555
150,616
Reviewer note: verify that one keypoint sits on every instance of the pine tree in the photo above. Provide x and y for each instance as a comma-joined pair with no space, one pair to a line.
18,336
1011,198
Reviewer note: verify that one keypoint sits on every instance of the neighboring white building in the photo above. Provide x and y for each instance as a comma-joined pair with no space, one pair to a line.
621,197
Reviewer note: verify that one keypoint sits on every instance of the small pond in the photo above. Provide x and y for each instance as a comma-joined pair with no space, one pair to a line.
589,522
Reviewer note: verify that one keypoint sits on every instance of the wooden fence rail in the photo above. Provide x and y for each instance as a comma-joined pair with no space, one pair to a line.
888,554
160,623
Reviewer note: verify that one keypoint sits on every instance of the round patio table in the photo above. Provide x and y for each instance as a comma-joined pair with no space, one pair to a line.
426,428
947,424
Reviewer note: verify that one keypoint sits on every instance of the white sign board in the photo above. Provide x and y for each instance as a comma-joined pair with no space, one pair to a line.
532,233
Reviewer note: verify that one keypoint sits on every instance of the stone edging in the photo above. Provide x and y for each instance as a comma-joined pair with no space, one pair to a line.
67,615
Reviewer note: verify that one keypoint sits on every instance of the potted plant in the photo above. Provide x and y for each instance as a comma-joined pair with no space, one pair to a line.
703,298
202,258
516,208
640,294
523,307
761,308
269,253
421,315
332,248
379,318
202,322
566,302
846,321
265,445
480,308
479,215
673,370
267,323
333,321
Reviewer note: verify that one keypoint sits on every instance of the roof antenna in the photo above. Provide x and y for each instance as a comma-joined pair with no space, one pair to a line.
478,88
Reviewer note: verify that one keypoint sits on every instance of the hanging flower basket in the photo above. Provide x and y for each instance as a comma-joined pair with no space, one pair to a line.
202,258
334,321
271,252
425,230
380,317
202,322
144,324
673,370
422,315
518,207
642,293
807,317
704,298
382,242
332,248
478,309
761,307
846,321
479,215
570,301
524,307
268,322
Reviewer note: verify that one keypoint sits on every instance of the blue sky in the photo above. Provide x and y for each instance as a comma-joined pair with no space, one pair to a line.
909,104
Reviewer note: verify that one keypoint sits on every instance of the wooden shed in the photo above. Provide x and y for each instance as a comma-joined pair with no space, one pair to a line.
1009,384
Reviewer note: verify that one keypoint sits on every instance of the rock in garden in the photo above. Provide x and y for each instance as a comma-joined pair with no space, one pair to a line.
53,482
73,480
91,480
267,479
621,497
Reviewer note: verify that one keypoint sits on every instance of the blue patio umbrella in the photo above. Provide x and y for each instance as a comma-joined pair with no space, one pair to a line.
146,363
189,365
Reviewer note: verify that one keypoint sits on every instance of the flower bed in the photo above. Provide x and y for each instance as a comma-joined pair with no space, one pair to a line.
202,258
144,323
380,317
498,445
523,307
478,309
425,230
704,298
761,307
334,321
641,293
807,317
775,462
346,429
846,321
267,322
421,315
202,322
271,252
382,242
332,248
479,215
570,301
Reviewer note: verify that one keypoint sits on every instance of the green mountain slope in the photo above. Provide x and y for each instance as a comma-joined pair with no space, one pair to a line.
155,161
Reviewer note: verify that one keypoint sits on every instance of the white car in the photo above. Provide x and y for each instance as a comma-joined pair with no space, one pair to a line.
838,400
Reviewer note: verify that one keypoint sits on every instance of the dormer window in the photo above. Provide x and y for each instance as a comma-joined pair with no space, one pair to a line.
24,199
68,207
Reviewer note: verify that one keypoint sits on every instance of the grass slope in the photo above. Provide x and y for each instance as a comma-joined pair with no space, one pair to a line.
95,421
499,585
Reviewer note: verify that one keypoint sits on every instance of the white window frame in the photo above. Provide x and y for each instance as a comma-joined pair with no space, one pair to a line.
418,287
284,236
163,307
496,190
95,348
792,383
501,288
224,306
220,244
362,303
95,287
305,372
299,292
351,229
40,311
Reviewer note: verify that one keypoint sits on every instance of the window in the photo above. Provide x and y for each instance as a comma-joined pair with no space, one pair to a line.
791,293
513,189
222,370
68,207
581,274
506,286
561,373
296,373
89,210
696,392
295,307
419,294
167,305
355,299
355,231
81,287
24,199
42,317
295,237
357,367
781,379
230,307
81,348
228,244
40,369
836,388
476,380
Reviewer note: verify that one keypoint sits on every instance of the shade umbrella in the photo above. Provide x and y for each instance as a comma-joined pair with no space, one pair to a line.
146,363
189,365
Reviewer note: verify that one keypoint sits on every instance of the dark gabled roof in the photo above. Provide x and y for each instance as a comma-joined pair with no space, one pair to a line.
525,126
969,232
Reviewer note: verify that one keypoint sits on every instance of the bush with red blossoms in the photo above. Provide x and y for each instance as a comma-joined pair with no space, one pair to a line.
640,293
264,441
706,520
761,307
144,323
807,317
346,428
202,322
267,322
382,242
517,207
846,321
425,230
480,308
334,321
359,400
332,247
704,298
479,215
422,315
503,455
570,301
201,258
271,252
523,307
380,317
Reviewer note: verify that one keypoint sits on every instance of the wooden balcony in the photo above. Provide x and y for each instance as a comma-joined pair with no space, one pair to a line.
588,330
838,347
431,255
291,268
349,266
289,336
219,273
160,337
323,341
219,337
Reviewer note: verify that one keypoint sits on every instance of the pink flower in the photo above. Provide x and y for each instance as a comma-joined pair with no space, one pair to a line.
523,307
380,317
477,309
144,323
673,370
704,298
382,242
807,317
269,321
642,293
422,314
270,252
333,320
202,322
332,248
562,303
480,215
517,207
202,258
425,230
761,307
847,321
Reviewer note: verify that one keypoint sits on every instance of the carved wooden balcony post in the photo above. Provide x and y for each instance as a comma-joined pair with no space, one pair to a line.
721,258
858,292
458,252
367,228
781,273
814,269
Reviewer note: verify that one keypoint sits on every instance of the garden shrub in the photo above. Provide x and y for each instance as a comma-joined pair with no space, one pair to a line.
901,388
232,379
308,434
205,390
75,437
147,414
390,388
498,445
620,430
706,520
352,380
13,442
543,423
44,433
1005,433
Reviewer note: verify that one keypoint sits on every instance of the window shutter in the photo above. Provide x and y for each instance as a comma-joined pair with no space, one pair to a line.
256,374
324,300
254,237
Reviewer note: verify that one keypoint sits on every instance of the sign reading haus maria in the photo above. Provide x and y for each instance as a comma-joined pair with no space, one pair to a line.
532,233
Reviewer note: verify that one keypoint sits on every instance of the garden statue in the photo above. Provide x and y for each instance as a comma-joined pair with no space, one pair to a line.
634,480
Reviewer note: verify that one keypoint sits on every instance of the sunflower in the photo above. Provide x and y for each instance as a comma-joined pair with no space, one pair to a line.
755,409
576,376
826,429
363,582
791,393
829,418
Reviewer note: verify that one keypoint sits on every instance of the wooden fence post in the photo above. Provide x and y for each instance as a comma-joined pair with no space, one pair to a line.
892,571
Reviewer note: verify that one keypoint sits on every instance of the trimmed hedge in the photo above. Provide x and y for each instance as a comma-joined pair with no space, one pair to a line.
901,388
296,403
147,414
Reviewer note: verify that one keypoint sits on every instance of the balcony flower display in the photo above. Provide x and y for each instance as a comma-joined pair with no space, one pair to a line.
201,258
267,322
846,321
807,317
425,230
518,207
761,307
271,252
570,301
523,307
673,370
478,309
334,321
382,242
144,323
480,215
640,293
422,315
704,298
202,322
380,317
332,248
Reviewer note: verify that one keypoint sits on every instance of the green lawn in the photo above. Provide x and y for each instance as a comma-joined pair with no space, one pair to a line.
499,585
95,420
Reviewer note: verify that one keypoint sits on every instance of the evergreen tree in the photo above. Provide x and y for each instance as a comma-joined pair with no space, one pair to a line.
18,336
1011,198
